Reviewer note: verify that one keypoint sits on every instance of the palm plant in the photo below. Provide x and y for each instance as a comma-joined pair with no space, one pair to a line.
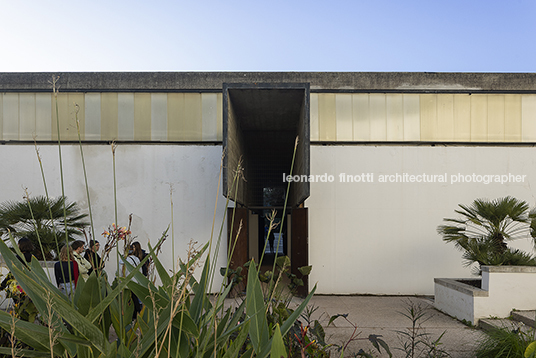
43,221
486,227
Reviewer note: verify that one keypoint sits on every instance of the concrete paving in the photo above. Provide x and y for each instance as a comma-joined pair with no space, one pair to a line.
383,315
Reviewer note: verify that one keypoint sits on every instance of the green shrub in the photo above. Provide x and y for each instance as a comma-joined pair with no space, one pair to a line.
504,343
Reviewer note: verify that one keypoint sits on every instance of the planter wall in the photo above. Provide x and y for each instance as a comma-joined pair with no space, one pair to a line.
503,288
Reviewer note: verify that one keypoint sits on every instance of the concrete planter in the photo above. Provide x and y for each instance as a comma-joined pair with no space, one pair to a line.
502,289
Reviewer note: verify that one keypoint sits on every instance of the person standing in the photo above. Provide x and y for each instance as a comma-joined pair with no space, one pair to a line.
141,254
84,266
133,259
66,271
92,255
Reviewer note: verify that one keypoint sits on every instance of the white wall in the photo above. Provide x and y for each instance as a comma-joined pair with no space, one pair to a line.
381,238
144,174
377,238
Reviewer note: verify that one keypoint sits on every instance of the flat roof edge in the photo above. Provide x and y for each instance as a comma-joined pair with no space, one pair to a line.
319,81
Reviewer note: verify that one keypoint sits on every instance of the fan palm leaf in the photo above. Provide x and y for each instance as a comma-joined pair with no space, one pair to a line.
44,220
485,227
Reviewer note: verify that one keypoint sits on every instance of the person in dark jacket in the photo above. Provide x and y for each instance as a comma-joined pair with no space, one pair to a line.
141,254
26,247
92,255
66,271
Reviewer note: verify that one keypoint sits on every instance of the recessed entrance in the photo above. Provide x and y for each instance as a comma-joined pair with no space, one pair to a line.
261,123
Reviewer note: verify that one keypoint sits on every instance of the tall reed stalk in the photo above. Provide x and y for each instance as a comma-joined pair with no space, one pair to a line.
27,197
272,289
77,109
60,163
43,178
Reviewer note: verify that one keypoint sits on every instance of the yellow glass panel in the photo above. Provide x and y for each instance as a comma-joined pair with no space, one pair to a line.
76,111
210,116
1,116
61,113
125,116
496,118
175,104
10,123
26,116
377,116
512,118
192,119
159,117
219,122
327,117
142,116
428,106
528,112
92,114
462,118
109,116
445,117
394,117
313,117
185,118
479,118
360,109
412,120
343,110
43,109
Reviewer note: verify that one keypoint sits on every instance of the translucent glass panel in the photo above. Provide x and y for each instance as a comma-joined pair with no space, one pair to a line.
380,117
192,117
337,117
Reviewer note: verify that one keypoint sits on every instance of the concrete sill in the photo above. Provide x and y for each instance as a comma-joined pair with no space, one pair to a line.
455,284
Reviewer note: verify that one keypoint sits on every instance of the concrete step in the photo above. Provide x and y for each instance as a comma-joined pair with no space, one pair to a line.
518,320
488,324
527,317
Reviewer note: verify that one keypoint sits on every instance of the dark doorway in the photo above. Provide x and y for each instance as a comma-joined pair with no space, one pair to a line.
262,126
277,241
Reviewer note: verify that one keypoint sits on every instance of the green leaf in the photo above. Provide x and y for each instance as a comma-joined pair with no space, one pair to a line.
90,294
184,322
255,311
282,261
34,335
237,344
200,299
289,322
377,342
531,350
334,317
278,346
305,270
5,351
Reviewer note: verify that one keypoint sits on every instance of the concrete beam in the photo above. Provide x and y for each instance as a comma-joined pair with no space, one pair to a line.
419,82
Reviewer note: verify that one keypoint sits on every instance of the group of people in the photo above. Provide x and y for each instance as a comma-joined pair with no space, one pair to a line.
74,262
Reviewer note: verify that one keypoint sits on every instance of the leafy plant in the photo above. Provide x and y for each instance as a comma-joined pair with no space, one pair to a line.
485,228
179,319
43,221
506,343
415,341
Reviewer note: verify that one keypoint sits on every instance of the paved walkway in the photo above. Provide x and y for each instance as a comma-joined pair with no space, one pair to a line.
382,315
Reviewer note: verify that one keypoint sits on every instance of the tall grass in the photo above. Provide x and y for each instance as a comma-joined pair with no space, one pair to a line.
506,342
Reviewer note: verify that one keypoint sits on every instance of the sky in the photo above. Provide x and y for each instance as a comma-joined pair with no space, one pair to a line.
274,35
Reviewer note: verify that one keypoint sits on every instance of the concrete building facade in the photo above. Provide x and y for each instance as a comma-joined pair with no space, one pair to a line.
387,157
